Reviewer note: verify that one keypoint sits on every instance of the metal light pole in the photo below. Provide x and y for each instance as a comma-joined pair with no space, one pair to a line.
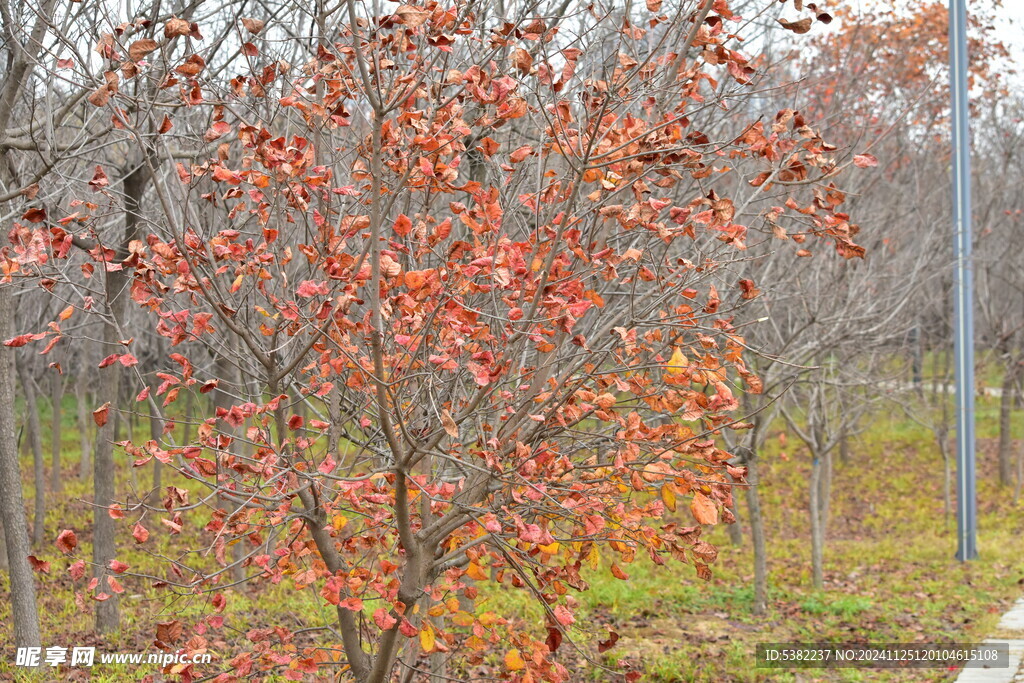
963,344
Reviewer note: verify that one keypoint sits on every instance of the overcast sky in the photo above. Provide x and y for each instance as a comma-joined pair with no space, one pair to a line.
1010,29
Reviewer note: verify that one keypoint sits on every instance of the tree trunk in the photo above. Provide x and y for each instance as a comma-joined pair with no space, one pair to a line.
56,397
35,441
1005,426
156,432
230,380
942,439
757,532
82,401
735,529
189,415
844,445
1020,474
825,498
104,548
817,537
916,343
12,506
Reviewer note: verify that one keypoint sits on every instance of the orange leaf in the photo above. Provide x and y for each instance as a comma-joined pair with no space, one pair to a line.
704,509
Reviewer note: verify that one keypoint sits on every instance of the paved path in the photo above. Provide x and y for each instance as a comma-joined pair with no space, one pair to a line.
1012,627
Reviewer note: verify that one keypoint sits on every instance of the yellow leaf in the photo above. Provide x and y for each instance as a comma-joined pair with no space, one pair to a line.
339,522
476,572
514,661
462,619
668,495
677,362
550,549
427,638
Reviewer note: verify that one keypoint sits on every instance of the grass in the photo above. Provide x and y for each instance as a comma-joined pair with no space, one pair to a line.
890,574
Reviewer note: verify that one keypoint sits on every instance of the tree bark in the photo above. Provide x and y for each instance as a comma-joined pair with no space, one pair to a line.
736,529
757,531
82,401
1005,426
104,547
230,380
156,432
56,397
12,506
35,442
817,536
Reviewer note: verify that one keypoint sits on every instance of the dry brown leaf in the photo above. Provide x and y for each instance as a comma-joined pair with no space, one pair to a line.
141,48
449,424
253,26
176,27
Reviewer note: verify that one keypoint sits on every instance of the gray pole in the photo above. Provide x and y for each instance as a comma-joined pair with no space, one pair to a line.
963,344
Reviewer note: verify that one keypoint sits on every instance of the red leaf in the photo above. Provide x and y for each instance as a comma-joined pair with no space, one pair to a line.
554,639
118,567
99,180
865,160
99,416
402,226
41,566
219,129
172,525
605,645
309,288
20,340
384,621
77,570
67,541
34,215
564,616
352,604
407,629
140,533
